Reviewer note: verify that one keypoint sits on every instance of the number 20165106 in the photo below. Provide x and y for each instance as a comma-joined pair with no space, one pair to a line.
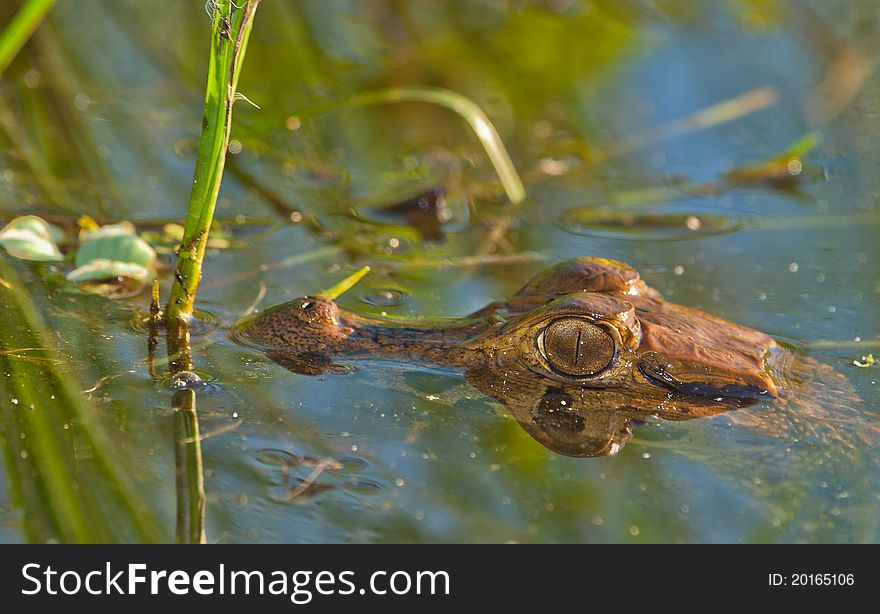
811,579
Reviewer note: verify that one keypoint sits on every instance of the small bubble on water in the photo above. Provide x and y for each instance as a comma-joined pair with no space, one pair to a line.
400,482
634,530
678,270
384,297
598,521
793,267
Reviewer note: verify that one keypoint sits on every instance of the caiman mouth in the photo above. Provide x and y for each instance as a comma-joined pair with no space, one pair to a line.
719,387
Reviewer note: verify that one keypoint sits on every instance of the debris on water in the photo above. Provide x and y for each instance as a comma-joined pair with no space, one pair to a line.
660,223
866,361
426,212
185,380
781,172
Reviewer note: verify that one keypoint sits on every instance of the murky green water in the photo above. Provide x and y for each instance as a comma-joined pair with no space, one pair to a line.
101,114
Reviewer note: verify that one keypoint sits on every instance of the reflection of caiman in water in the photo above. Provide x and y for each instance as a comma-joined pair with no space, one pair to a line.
581,352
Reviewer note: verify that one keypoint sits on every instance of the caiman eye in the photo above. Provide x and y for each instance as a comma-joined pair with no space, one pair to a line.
576,347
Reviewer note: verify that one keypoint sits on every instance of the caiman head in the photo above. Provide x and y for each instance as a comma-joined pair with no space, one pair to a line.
581,352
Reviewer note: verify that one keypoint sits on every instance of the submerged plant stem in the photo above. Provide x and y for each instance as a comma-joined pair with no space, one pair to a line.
231,30
19,30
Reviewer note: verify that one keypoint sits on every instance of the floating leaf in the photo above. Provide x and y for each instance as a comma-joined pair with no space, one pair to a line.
113,252
31,238
101,269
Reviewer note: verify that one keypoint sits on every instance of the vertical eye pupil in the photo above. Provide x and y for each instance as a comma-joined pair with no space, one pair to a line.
575,346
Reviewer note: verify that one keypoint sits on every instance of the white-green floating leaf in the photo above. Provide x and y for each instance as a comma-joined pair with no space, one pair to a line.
31,238
117,243
101,269
113,254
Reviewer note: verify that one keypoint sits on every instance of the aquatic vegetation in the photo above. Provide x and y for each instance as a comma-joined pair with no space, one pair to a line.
467,109
31,238
229,38
115,253
780,171
865,361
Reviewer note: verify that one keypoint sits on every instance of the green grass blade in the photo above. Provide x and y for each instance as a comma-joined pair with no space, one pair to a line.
345,285
466,108
19,30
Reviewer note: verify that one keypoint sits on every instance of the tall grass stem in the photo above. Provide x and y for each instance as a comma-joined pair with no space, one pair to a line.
229,39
